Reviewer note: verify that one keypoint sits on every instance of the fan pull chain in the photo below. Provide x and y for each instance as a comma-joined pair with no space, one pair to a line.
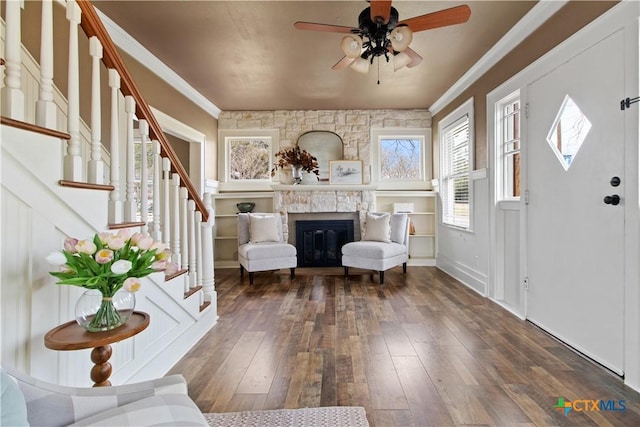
378,70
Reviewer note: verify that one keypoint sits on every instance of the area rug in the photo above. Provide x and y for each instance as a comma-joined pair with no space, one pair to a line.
331,416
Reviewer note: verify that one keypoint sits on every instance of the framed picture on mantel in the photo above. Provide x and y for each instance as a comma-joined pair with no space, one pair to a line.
345,172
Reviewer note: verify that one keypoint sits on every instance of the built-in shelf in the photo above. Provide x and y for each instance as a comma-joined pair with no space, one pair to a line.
362,198
422,244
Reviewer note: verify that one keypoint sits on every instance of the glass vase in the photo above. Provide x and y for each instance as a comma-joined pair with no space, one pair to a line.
96,312
296,171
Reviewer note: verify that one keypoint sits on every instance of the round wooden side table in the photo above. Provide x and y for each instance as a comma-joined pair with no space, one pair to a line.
71,336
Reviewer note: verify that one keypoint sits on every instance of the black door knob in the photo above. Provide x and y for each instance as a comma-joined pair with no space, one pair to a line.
612,200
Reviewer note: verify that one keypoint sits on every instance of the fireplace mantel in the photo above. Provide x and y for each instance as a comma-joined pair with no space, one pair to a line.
323,198
324,187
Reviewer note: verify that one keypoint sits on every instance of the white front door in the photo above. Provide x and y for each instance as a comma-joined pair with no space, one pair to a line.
575,240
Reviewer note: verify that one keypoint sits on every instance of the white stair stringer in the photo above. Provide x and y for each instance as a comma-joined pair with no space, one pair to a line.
37,214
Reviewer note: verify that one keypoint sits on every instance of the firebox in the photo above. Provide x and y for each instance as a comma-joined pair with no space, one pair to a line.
319,242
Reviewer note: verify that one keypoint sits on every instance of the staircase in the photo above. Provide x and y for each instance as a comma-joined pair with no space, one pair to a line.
61,177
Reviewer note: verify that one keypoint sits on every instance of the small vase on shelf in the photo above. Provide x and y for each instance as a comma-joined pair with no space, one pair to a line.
96,312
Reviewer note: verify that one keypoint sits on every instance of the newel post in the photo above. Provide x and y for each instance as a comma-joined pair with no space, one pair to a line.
193,256
184,231
207,266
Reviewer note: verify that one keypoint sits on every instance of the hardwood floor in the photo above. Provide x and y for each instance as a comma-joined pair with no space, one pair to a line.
423,350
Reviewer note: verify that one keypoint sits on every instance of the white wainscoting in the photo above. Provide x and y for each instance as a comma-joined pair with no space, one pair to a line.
37,214
465,254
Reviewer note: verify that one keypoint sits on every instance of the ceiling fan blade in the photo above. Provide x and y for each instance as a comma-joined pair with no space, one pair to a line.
380,10
312,26
442,18
415,57
343,63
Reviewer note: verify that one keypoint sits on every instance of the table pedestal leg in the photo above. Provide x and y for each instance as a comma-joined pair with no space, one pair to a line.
102,369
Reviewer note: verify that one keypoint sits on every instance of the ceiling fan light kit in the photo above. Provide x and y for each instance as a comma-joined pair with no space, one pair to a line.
360,65
401,38
351,46
381,33
401,60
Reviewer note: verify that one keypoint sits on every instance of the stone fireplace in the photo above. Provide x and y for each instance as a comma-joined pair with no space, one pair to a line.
323,202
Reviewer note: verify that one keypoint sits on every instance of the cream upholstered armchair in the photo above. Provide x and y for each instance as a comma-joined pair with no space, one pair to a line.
384,244
262,243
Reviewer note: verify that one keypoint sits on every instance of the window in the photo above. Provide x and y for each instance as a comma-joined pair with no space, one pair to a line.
401,158
246,158
508,144
455,166
249,158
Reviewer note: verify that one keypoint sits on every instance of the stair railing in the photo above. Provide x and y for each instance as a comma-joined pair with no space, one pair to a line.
177,211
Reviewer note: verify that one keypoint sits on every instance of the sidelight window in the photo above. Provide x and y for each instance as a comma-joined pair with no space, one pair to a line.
508,114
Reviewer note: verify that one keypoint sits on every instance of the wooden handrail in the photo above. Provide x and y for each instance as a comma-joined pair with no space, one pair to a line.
34,128
93,26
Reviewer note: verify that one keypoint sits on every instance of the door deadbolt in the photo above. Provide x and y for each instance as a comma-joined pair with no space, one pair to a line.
615,181
614,200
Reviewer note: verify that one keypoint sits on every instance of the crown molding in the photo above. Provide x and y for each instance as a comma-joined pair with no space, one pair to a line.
538,15
132,47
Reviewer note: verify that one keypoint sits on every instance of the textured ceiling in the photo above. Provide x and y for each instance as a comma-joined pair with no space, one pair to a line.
246,55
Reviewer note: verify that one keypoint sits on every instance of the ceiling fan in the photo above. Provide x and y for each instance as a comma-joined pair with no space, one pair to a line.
380,33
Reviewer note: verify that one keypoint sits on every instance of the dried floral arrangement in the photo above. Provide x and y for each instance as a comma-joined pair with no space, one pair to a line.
294,156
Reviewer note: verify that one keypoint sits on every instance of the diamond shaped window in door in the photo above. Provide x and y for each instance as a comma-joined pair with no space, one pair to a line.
568,132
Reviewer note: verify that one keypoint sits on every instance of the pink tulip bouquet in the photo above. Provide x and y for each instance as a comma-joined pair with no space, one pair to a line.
109,262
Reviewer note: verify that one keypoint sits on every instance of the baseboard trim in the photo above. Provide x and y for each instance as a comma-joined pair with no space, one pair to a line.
469,277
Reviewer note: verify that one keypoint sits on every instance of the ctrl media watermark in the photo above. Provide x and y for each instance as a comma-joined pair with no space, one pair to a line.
589,405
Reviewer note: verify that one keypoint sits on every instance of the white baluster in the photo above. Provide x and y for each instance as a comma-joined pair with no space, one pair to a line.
95,170
193,264
143,128
207,267
46,111
198,233
184,232
130,203
12,95
115,204
73,161
166,201
175,220
155,226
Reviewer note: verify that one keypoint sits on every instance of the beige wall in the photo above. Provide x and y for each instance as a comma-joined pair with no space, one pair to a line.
562,25
353,126
160,95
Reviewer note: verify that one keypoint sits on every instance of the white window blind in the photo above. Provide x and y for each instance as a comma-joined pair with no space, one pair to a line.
454,173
